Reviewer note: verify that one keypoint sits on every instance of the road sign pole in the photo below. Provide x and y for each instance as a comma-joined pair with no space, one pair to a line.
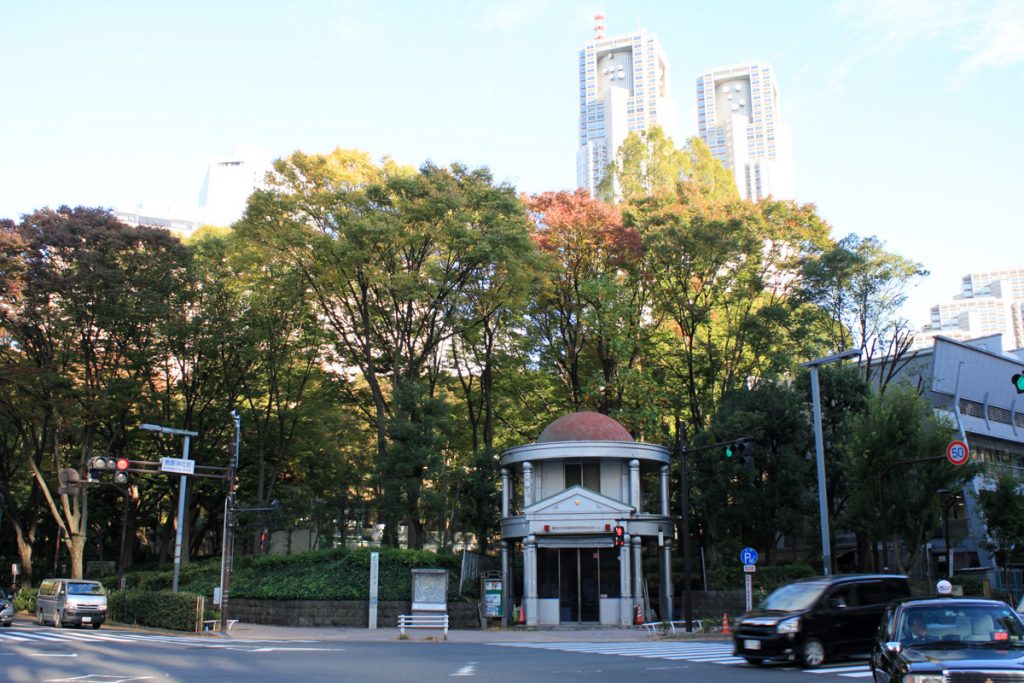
181,520
749,586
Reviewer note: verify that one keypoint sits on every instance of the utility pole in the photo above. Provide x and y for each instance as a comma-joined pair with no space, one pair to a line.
227,545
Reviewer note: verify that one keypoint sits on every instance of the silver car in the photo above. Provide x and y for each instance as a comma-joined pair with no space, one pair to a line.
7,611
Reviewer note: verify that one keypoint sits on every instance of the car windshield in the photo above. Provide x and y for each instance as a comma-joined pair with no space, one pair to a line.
961,625
795,596
75,588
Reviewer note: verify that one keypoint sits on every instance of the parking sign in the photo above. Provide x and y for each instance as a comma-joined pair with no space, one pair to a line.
748,556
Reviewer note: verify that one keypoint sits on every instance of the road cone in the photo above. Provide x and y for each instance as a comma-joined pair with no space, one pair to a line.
522,614
726,631
639,618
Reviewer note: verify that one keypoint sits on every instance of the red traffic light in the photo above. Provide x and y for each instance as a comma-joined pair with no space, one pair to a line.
619,537
122,464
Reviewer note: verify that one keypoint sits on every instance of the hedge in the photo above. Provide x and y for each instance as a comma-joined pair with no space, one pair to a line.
331,574
162,609
766,579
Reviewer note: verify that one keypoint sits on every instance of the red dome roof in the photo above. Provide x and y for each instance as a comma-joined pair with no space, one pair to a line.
584,427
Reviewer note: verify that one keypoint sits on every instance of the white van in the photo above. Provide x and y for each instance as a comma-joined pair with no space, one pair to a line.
71,602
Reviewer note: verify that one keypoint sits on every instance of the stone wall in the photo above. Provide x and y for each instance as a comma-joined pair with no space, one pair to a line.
353,613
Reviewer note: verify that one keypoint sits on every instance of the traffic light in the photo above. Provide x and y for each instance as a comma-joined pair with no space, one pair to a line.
619,537
100,465
121,471
1018,382
742,450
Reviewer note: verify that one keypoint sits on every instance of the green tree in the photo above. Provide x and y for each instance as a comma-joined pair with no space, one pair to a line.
1003,508
84,340
388,262
861,288
897,426
759,505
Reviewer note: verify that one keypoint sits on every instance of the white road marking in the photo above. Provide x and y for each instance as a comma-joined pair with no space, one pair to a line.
468,670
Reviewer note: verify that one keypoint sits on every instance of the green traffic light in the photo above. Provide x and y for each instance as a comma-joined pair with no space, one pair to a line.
1018,383
728,451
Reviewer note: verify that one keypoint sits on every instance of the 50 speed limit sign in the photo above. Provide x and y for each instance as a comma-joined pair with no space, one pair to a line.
957,452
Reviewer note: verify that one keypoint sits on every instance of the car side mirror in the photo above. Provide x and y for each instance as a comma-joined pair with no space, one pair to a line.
893,647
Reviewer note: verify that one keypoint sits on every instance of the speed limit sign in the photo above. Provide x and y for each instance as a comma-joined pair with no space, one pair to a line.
957,452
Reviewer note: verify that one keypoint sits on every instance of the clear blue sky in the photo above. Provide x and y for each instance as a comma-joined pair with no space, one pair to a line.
906,114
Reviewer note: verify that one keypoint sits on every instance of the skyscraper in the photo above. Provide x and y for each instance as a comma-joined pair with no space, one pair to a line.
229,182
739,118
624,86
989,302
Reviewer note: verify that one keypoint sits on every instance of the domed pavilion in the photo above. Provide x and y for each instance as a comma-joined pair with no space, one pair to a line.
563,500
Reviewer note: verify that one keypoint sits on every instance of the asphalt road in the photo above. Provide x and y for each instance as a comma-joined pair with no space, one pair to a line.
43,654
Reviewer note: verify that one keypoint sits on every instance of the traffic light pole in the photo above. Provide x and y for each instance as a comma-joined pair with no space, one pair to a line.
684,497
227,545
181,494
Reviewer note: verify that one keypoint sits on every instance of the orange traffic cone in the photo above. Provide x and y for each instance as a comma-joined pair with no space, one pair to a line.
639,618
522,614
726,631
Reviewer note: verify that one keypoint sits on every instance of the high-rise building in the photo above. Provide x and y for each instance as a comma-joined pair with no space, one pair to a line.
229,182
989,302
624,86
739,117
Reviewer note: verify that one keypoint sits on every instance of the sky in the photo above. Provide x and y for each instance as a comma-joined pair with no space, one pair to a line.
906,115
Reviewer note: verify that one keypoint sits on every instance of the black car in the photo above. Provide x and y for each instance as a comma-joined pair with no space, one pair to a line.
818,619
949,639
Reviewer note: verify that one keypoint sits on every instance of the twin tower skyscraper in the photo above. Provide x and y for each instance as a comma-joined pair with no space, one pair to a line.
625,86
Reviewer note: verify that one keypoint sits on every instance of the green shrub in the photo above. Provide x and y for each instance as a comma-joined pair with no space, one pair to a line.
25,600
160,609
326,574
765,580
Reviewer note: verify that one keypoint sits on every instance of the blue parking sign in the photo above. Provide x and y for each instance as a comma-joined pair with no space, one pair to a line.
748,556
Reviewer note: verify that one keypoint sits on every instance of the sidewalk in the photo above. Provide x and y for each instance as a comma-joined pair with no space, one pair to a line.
490,635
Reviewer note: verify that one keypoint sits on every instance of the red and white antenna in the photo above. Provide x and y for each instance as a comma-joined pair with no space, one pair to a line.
598,26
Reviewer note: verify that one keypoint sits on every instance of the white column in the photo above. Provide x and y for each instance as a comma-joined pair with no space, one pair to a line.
625,585
530,570
527,484
634,484
664,490
667,608
506,493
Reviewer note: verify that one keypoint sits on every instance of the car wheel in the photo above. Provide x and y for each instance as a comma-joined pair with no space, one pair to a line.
813,654
39,617
95,626
755,661
58,620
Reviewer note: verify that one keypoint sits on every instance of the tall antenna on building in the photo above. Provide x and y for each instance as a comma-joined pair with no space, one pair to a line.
598,26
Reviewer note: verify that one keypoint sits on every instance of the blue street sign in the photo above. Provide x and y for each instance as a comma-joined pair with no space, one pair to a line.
748,556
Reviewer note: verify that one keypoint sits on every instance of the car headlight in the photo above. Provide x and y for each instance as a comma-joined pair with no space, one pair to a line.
924,678
788,626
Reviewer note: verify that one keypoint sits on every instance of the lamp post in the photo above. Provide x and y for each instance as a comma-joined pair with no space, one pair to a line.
181,493
819,450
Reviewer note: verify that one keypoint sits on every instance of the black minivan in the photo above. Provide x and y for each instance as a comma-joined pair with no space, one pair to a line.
817,619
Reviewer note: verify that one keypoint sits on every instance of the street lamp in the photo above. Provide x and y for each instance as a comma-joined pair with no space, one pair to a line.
181,493
819,449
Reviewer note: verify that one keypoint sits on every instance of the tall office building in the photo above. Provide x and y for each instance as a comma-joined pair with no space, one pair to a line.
989,302
624,86
739,118
229,182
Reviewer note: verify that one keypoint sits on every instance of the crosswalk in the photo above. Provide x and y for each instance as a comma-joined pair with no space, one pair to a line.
28,636
708,652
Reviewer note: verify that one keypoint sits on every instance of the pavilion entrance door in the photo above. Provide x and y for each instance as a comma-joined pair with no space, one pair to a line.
579,585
